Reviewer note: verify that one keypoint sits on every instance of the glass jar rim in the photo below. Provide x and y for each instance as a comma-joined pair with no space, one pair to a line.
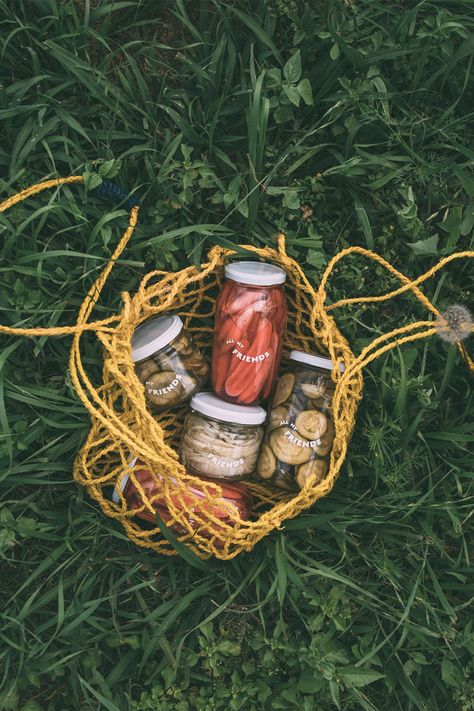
316,361
208,404
154,334
255,273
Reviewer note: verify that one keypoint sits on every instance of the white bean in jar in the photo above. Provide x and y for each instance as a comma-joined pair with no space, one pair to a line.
221,440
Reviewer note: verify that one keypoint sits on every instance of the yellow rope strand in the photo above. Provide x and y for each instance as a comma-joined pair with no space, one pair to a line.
61,330
121,424
98,284
408,283
38,188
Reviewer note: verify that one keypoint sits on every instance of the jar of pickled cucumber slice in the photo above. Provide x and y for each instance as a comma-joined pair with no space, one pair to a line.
168,362
299,433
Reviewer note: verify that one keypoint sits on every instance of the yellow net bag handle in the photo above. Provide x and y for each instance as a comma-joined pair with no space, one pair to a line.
84,388
405,334
94,292
371,352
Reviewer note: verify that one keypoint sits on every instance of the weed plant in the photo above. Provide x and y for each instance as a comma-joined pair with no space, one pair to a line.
341,123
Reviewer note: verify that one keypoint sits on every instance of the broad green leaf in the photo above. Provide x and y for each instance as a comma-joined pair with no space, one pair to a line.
91,180
358,676
292,69
466,180
450,673
293,94
277,189
110,168
273,77
291,200
283,113
309,683
468,219
228,199
305,91
243,208
234,185
425,247
298,36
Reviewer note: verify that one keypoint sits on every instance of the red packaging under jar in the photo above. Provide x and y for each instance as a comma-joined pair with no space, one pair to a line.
236,499
250,323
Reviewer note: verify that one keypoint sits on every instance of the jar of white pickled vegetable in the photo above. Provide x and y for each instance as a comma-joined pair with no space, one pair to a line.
221,440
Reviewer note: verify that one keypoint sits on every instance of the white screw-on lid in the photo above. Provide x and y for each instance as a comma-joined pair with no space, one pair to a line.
123,484
315,360
153,335
212,406
255,273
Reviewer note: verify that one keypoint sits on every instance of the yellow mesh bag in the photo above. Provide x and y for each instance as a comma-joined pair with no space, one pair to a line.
122,426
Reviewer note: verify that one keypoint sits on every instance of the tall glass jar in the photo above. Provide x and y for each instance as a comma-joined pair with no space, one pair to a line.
221,440
250,323
167,361
299,434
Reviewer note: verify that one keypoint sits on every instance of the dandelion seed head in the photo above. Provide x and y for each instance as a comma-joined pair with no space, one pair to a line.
455,324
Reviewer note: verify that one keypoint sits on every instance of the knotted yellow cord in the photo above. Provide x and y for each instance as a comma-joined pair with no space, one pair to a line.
122,426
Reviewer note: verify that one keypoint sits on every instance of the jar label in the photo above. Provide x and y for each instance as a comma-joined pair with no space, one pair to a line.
299,442
250,359
226,463
152,390
294,439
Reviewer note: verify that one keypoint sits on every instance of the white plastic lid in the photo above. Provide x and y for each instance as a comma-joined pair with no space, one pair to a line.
153,335
315,360
255,273
212,406
115,496
123,484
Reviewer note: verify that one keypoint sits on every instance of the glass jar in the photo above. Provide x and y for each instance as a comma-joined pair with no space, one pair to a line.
236,500
250,323
299,433
221,440
167,362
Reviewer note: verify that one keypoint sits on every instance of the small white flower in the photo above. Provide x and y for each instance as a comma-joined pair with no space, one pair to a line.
455,324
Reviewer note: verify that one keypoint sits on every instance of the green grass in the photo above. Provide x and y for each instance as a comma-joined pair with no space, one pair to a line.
362,602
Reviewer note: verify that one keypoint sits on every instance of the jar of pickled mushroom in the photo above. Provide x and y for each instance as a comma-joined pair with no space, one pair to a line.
250,323
167,362
221,440
235,501
299,433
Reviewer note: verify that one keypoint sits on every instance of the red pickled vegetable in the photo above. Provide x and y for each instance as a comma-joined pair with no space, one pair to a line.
235,498
254,325
249,327
247,300
229,331
221,367
239,375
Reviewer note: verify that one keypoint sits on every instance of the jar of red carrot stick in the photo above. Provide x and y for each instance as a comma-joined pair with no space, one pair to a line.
235,501
250,323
